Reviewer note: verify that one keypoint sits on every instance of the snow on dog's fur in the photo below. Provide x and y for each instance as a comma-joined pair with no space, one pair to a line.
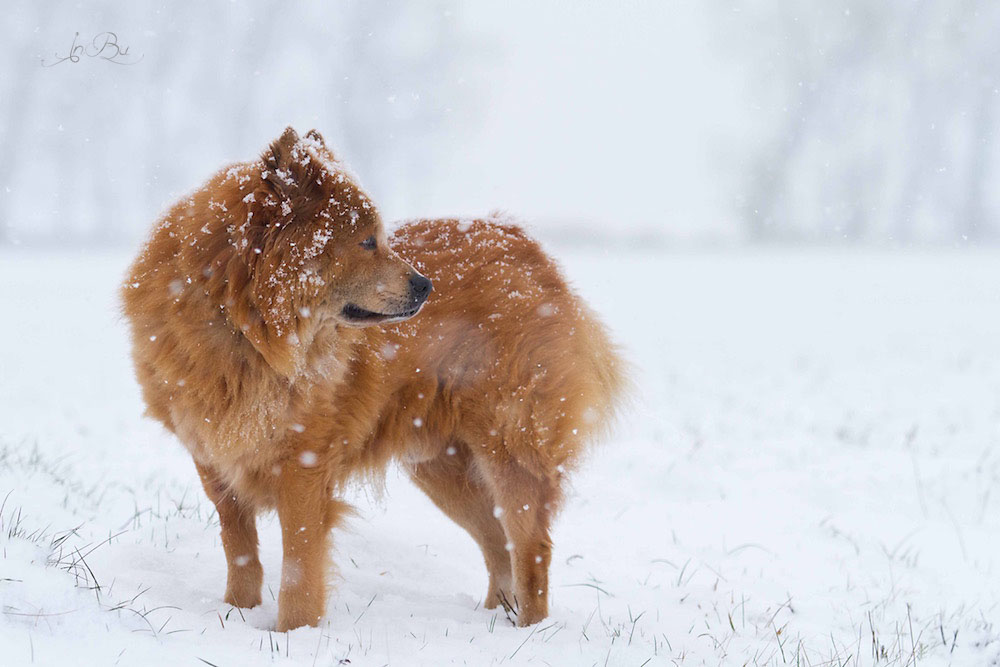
267,314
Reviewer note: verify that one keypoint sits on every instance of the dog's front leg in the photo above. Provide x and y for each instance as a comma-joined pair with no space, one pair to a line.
238,524
303,510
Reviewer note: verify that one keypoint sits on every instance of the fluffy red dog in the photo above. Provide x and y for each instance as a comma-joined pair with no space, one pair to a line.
267,315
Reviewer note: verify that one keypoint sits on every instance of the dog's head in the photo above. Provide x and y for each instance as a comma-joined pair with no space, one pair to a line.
314,250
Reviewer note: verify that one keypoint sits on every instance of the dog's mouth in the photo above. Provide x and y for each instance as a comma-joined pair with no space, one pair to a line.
358,315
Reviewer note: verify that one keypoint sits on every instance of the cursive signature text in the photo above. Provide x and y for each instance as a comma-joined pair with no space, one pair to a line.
104,45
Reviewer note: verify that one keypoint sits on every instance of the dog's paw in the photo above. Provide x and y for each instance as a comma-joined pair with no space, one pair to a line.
244,599
243,585
529,614
291,621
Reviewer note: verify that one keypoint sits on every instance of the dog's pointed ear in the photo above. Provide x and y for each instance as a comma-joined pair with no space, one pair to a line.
279,154
288,167
316,141
316,136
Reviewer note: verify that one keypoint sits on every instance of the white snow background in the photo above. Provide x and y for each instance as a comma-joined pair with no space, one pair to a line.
808,476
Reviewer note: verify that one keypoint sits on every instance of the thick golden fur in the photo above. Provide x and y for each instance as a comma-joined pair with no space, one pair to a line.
243,349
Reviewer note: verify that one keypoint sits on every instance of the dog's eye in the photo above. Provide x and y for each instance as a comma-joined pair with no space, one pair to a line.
369,243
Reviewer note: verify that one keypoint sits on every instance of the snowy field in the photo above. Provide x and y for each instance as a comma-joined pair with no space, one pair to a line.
809,475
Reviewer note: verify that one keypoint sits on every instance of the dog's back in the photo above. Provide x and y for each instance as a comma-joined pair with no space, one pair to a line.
514,350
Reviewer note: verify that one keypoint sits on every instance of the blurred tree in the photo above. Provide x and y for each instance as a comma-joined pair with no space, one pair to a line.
869,120
383,80
16,106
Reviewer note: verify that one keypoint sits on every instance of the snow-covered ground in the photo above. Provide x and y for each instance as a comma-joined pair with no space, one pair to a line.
810,474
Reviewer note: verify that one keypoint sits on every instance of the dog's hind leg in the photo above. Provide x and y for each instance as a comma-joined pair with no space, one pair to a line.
453,484
239,541
526,504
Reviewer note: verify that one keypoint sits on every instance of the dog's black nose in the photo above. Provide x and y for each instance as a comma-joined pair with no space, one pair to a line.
420,287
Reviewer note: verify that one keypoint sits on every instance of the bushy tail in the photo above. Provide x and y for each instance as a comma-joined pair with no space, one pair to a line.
611,373
603,375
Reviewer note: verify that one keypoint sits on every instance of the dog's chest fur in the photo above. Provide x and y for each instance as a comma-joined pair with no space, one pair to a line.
240,427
